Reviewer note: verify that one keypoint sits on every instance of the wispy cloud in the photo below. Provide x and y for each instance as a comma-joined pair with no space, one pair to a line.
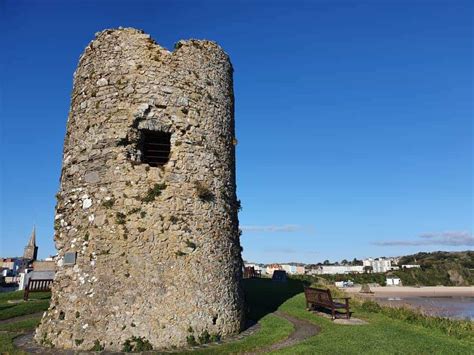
285,228
442,238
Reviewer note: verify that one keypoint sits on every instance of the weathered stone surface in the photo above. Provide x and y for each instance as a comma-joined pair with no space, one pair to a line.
92,177
161,265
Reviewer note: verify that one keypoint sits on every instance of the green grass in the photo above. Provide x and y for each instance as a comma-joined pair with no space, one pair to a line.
21,325
385,333
18,295
7,336
20,309
38,302
7,296
264,296
6,344
382,335
17,307
272,330
461,329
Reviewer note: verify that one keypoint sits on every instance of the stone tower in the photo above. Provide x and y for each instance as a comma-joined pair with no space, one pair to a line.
146,218
31,250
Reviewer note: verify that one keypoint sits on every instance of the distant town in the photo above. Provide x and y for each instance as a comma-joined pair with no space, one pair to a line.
369,265
425,269
16,271
345,267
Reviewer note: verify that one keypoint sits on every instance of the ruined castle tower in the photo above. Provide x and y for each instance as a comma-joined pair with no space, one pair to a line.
146,217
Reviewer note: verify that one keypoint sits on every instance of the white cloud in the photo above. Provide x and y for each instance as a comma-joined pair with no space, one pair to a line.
440,238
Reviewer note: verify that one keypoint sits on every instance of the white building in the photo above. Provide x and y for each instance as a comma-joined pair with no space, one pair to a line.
378,264
410,266
393,281
395,260
336,269
293,269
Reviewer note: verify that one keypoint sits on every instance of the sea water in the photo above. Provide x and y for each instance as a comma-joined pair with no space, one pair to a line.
449,307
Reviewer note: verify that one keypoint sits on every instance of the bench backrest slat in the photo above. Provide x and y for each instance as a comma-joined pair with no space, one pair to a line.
318,295
39,285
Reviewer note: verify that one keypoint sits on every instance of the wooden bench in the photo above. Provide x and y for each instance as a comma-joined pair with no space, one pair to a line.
322,298
38,285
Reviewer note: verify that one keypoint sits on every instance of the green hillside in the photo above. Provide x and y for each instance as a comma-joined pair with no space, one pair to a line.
438,268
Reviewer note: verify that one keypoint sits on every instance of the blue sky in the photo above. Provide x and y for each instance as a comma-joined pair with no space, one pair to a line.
354,118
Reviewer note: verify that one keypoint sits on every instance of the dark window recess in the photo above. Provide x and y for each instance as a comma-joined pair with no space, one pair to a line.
156,147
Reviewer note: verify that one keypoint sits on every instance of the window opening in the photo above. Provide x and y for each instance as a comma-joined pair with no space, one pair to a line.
156,147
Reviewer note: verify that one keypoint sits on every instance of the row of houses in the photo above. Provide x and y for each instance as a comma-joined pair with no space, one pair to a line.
377,265
17,271
292,269
297,269
385,264
11,267
335,269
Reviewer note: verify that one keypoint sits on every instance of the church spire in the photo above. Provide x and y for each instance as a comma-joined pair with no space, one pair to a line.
31,250
32,241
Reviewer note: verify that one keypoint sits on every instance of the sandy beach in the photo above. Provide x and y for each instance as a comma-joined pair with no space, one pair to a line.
408,291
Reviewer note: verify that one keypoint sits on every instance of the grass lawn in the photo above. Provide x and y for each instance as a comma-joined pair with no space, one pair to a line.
272,330
383,335
38,302
6,344
8,331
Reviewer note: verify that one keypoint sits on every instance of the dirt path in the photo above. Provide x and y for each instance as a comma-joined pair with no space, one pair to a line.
303,330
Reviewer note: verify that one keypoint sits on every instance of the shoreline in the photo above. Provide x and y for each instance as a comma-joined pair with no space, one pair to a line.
436,301
410,291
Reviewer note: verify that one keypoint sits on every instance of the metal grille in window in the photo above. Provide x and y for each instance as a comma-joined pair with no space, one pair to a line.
156,147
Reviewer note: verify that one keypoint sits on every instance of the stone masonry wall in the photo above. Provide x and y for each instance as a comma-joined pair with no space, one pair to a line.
157,248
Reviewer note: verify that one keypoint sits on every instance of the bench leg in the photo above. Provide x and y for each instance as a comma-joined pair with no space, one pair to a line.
333,311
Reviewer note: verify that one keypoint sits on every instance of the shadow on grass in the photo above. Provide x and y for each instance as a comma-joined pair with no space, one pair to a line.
264,296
